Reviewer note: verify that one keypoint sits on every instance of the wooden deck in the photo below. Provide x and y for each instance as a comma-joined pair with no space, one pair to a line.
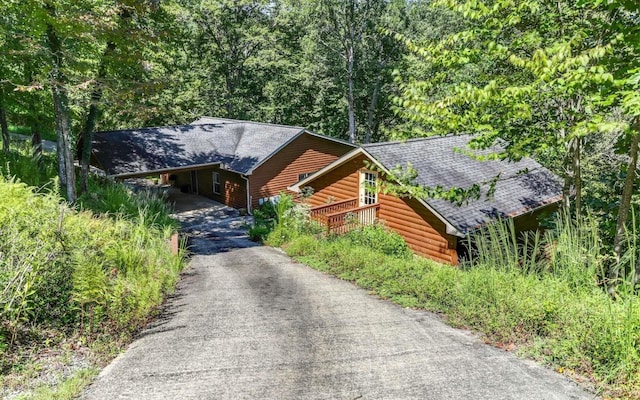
344,216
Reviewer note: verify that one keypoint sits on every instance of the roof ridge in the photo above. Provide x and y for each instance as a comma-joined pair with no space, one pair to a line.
146,128
250,122
421,139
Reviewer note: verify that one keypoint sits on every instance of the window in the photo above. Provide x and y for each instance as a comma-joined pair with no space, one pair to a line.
368,189
216,183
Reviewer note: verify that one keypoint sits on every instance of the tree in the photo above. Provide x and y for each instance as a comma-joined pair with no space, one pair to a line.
131,29
352,32
529,74
66,172
228,37
623,22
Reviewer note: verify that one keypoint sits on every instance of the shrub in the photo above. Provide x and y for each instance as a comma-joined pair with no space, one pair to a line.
379,238
265,214
147,207
277,223
258,233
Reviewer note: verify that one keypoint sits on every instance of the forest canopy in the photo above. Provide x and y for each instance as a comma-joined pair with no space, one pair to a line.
555,80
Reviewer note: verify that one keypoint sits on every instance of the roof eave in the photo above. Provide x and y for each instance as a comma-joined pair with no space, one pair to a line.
162,170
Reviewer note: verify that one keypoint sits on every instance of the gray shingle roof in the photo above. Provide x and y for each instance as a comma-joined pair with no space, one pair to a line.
522,186
238,145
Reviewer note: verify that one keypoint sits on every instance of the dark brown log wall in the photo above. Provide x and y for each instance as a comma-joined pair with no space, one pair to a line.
233,189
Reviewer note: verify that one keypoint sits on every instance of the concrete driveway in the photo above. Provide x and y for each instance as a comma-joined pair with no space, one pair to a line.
247,322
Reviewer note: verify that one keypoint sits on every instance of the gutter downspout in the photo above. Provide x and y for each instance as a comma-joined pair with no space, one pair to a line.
248,194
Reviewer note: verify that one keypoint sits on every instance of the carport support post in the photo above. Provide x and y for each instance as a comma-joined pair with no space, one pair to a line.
246,178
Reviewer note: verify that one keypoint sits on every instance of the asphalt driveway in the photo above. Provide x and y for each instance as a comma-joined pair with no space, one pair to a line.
247,322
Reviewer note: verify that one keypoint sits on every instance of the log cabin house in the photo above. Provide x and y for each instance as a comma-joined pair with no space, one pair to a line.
350,191
238,163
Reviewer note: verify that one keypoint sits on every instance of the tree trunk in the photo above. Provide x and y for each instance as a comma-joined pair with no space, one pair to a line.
66,172
566,169
350,94
86,140
229,96
3,124
566,190
86,134
371,112
34,121
625,206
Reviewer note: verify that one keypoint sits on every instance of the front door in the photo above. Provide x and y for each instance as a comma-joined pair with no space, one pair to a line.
368,188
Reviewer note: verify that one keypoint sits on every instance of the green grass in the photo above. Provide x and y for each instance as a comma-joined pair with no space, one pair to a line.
35,172
68,388
119,201
62,266
551,310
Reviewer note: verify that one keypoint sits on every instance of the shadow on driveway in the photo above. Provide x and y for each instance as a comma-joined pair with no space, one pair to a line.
210,227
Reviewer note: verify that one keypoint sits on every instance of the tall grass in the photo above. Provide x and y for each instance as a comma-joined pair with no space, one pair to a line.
146,207
77,270
570,251
540,295
95,271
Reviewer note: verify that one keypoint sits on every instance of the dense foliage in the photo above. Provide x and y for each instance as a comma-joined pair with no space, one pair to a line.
555,80
95,272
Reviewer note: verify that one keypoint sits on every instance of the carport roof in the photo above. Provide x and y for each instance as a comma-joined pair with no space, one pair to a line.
238,146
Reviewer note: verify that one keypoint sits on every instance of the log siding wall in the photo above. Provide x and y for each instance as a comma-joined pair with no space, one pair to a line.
307,153
423,231
233,189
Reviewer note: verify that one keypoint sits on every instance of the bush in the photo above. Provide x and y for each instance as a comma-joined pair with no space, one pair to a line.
258,233
278,222
379,238
147,207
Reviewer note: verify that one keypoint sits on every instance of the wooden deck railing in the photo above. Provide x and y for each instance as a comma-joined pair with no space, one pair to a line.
320,213
344,221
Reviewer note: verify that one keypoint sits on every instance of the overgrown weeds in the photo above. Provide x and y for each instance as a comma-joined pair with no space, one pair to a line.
145,207
541,295
68,268
36,171
96,271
